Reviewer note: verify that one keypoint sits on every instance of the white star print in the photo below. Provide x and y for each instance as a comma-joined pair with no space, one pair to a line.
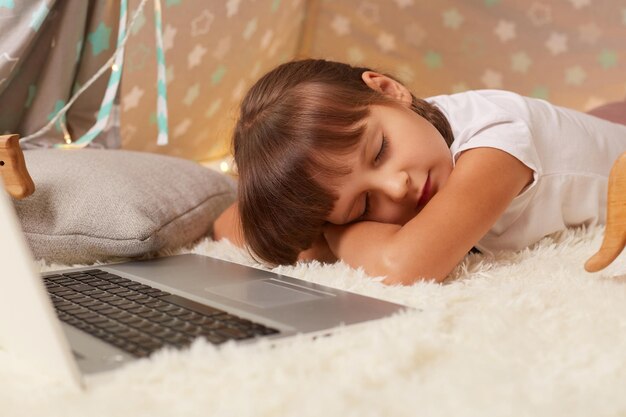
192,94
452,19
520,62
459,87
195,56
213,108
579,4
355,55
202,24
557,43
505,30
168,37
181,128
575,75
131,100
267,38
232,7
492,79
341,25
386,42
404,3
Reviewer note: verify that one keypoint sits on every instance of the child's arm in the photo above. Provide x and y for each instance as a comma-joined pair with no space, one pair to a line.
319,251
228,226
479,189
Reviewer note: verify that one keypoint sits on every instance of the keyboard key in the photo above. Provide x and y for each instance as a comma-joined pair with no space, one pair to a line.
52,277
106,287
232,333
97,319
81,287
138,309
150,314
214,338
156,293
140,287
75,274
89,303
213,325
117,290
123,303
192,305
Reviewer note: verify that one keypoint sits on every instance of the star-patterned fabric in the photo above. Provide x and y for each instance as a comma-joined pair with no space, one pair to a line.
48,50
570,52
214,51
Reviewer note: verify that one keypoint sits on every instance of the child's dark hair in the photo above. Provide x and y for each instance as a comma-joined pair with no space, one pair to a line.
292,120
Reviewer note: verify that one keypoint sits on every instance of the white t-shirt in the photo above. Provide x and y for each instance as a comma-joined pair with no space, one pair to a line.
570,153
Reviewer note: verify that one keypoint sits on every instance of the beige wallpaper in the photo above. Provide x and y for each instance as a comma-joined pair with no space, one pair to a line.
571,52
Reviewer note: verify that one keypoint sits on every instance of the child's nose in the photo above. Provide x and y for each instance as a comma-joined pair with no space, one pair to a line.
397,186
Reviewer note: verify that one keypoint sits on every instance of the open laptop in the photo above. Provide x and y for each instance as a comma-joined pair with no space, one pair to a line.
86,320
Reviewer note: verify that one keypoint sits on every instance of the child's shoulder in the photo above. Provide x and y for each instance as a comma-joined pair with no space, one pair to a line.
479,100
481,106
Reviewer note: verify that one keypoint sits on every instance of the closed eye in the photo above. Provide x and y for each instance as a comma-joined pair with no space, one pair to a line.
383,148
384,144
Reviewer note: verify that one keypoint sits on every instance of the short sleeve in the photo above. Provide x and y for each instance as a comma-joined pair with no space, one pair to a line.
511,136
479,122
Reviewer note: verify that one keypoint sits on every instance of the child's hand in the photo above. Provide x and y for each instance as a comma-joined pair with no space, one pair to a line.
228,226
319,251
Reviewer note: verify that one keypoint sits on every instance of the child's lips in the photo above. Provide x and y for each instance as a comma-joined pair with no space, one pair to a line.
426,193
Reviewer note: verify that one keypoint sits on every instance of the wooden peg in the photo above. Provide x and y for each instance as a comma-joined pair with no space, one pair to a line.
15,176
615,231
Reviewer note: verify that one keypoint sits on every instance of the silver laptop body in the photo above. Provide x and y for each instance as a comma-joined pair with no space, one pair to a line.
31,329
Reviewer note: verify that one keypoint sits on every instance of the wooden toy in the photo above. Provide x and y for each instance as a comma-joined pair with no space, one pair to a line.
615,231
13,172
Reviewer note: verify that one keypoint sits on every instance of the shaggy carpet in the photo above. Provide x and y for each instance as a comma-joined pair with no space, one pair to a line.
525,333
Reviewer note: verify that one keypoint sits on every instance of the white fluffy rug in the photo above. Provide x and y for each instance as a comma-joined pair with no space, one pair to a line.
521,334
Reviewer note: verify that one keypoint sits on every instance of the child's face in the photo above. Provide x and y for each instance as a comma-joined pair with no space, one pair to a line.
392,182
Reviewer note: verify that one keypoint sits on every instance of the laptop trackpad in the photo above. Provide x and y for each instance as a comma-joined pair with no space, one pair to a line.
265,293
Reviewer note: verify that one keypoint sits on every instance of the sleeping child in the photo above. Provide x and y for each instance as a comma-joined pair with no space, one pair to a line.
341,162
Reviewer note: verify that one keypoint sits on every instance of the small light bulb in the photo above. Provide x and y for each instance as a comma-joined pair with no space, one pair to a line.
115,67
224,167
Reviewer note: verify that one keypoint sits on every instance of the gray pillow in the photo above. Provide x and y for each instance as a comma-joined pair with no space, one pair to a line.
97,205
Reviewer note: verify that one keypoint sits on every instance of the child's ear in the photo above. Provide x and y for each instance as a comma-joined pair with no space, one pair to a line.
386,85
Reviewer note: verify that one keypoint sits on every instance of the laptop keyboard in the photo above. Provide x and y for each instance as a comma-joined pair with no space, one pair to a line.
140,319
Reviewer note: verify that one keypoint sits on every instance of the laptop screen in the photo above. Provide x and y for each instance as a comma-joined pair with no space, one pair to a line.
29,328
